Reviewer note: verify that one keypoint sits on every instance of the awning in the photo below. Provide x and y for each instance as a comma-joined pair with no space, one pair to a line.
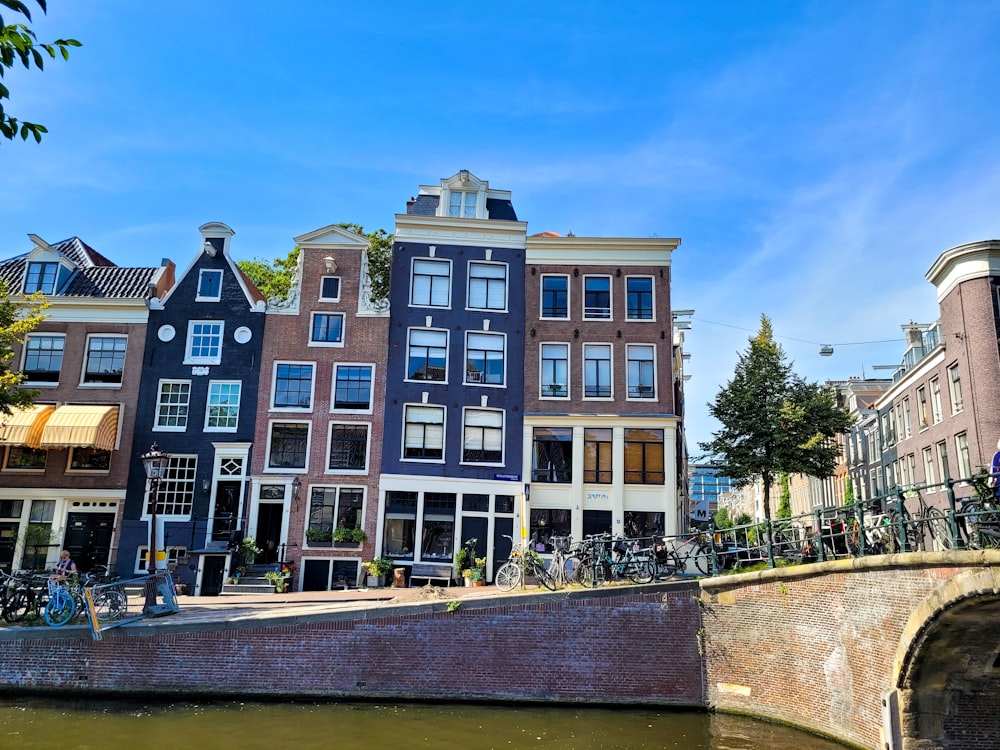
76,426
24,426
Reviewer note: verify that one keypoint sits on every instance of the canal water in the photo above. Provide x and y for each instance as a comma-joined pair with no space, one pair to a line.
72,724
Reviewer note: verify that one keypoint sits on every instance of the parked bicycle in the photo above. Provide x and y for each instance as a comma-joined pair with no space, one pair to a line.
522,563
671,558
68,598
605,558
28,595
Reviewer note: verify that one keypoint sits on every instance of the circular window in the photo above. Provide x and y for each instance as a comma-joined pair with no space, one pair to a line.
166,333
242,335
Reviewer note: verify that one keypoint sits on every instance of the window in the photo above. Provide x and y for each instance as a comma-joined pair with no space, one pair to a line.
643,524
484,359
555,296
105,359
487,286
644,457
929,478
555,370
329,289
332,507
209,286
175,492
41,514
223,408
172,405
597,371
483,439
942,457
431,283
922,406
597,297
911,469
639,297
400,524
423,432
352,389
348,447
462,204
427,355
204,344
23,458
955,389
41,277
552,455
43,357
546,523
327,328
438,539
597,455
641,371
292,386
89,459
907,423
288,445
936,412
962,451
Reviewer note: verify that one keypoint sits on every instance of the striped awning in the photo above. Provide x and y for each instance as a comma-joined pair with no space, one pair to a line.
78,426
24,426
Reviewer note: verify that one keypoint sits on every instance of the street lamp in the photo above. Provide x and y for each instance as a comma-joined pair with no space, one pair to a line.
154,463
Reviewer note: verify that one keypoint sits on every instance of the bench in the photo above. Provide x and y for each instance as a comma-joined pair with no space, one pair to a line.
430,572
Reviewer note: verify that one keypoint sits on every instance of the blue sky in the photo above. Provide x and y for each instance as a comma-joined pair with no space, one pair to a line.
814,157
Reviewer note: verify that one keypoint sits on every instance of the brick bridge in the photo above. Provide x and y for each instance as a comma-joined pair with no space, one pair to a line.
844,648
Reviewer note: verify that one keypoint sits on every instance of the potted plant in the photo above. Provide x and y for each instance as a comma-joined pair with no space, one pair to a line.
279,578
248,550
467,576
318,536
377,570
479,572
359,536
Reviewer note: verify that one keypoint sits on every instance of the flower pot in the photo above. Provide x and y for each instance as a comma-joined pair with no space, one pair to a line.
479,583
375,582
468,582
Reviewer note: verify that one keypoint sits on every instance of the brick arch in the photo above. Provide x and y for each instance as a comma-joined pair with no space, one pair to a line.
947,667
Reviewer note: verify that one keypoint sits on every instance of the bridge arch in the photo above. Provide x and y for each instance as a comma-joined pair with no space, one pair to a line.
946,673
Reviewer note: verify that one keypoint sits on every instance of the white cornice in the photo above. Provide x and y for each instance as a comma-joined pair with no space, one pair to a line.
471,232
654,251
973,260
96,310
332,236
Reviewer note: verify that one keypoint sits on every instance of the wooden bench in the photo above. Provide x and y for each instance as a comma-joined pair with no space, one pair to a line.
429,572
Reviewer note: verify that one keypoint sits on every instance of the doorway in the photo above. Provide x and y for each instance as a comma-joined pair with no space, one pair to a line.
227,507
212,574
88,538
8,541
269,532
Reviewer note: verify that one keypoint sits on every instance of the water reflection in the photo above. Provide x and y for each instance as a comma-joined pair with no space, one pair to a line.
79,725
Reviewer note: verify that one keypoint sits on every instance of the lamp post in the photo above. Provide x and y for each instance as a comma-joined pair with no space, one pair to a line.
154,463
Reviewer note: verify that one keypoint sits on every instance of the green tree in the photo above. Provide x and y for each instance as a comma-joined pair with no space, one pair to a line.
17,320
848,492
772,420
379,258
722,519
18,43
273,279
785,502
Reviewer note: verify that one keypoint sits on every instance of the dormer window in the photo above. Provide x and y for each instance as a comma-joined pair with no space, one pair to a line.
209,286
462,204
41,277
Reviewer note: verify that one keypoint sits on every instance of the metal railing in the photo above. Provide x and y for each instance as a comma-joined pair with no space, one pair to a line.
111,605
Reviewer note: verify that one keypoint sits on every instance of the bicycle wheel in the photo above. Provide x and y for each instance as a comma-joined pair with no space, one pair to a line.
909,534
702,559
508,576
15,608
937,524
593,573
571,570
110,605
60,609
640,570
667,565
544,577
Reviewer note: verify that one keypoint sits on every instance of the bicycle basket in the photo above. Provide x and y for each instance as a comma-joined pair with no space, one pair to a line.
620,547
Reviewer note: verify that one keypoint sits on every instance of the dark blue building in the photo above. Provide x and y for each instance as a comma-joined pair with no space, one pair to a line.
452,441
197,401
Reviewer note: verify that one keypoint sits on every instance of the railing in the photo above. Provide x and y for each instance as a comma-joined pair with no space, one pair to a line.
111,605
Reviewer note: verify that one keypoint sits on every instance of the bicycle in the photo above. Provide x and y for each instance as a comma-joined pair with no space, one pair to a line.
669,562
68,599
565,563
608,559
29,596
522,563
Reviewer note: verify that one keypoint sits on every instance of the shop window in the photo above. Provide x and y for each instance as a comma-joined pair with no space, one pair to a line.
552,455
400,524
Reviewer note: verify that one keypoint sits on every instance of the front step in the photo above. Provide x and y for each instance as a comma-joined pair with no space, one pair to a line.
252,582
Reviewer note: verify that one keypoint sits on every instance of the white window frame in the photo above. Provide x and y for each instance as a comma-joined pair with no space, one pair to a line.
611,298
907,421
161,405
36,336
652,293
84,383
929,473
468,377
962,454
541,296
329,447
941,451
544,382
40,286
923,416
955,388
339,343
312,385
189,357
444,432
178,462
203,274
437,262
462,209
208,405
610,359
173,555
268,468
628,373
467,412
937,412
322,281
486,280
371,388
86,472
447,352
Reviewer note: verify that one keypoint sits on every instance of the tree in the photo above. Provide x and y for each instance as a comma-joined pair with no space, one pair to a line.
848,492
17,320
772,420
379,258
785,502
272,279
19,43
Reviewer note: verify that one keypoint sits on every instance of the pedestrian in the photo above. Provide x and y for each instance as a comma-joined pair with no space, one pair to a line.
65,568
